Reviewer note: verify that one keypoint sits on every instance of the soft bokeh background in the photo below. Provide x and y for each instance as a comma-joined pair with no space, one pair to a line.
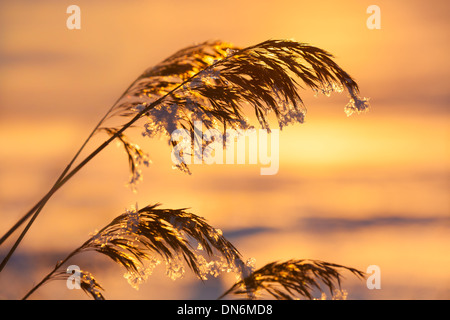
371,189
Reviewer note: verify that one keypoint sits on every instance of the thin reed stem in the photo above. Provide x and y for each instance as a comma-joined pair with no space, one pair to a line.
50,274
265,78
64,178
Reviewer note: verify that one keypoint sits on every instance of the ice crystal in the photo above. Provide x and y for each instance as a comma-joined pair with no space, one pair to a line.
174,268
289,115
244,270
140,159
163,120
136,157
218,266
230,52
328,88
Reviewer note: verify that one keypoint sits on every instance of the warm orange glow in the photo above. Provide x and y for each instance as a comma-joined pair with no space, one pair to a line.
360,190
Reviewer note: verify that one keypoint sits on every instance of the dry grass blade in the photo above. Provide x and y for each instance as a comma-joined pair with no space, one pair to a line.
292,279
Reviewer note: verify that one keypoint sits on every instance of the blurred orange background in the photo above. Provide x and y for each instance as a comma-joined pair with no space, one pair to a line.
370,189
